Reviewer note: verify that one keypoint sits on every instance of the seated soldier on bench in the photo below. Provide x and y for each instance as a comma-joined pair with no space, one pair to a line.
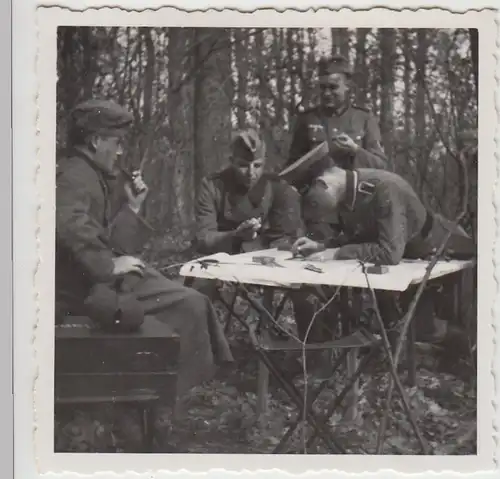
382,218
242,208
96,243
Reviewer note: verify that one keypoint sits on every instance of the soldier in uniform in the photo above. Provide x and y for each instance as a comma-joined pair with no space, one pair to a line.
351,131
382,218
243,208
97,244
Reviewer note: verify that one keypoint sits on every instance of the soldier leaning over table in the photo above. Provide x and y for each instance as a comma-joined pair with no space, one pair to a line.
97,244
383,221
243,208
351,131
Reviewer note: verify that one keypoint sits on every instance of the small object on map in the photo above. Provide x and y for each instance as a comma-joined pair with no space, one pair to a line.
311,267
205,263
266,261
378,269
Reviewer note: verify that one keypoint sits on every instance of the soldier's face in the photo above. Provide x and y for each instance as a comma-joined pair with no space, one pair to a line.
107,151
248,173
334,90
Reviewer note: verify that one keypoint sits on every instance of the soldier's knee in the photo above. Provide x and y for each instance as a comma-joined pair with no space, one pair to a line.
195,300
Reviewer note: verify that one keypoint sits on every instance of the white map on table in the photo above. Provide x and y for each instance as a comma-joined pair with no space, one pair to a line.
241,268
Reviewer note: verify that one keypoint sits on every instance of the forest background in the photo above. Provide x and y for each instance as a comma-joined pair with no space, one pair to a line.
189,88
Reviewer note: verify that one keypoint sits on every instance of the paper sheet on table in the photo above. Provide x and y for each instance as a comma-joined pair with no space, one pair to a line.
239,268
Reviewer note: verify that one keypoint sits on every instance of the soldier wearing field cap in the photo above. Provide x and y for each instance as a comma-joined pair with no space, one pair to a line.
381,216
350,132
98,243
243,206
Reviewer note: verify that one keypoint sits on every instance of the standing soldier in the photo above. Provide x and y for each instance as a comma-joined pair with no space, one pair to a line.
350,131
96,247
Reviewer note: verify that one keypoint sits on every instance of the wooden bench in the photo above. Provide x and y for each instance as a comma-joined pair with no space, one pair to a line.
97,367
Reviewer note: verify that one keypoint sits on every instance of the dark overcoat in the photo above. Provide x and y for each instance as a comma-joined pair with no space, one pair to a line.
91,230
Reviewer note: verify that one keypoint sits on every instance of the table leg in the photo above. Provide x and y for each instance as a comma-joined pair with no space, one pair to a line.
458,299
410,353
348,296
263,378
147,419
353,397
262,389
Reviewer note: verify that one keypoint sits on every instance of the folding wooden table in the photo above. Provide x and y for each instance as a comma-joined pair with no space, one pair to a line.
282,272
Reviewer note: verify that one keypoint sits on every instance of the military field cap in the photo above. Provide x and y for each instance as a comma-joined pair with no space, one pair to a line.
113,310
103,117
302,171
332,65
247,145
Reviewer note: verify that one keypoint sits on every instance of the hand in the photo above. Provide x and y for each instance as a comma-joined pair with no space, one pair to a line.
306,246
345,142
136,191
127,264
327,255
248,229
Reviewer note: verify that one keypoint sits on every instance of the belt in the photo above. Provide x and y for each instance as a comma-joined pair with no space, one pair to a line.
426,229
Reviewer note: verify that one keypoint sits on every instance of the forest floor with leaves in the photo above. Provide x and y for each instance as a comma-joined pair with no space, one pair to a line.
221,415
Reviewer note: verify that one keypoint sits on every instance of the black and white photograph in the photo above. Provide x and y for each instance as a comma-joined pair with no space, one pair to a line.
259,240
266,240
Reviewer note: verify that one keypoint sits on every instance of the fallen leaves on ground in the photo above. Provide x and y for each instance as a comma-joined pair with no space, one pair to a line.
222,414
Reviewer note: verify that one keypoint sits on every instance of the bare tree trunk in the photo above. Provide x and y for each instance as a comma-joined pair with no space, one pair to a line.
420,136
89,72
180,118
340,41
361,67
212,104
301,58
387,47
278,62
241,66
291,41
149,77
310,68
474,47
374,68
261,57
408,95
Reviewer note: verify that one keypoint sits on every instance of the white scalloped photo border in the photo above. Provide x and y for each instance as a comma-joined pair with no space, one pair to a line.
34,195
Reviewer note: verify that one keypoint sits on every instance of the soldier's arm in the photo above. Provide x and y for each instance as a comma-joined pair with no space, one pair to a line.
78,231
392,237
284,217
371,155
209,239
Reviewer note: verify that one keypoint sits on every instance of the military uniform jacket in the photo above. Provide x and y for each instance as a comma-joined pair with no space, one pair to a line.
383,220
90,230
312,127
222,206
